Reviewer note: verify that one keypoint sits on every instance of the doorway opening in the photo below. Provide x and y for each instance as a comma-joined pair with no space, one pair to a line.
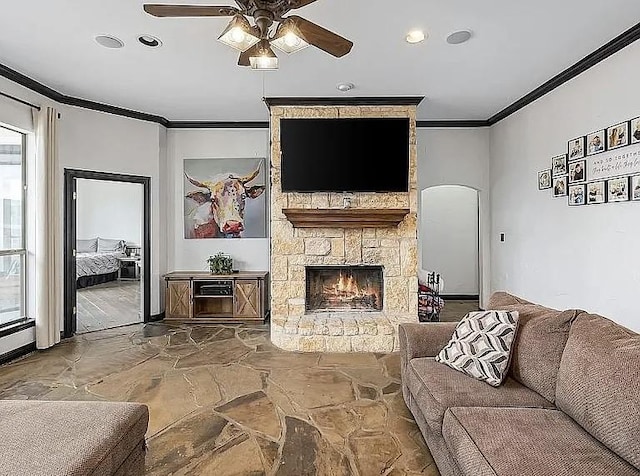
107,251
450,232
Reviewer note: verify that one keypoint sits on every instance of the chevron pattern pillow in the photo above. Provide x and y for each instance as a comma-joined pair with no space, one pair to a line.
481,345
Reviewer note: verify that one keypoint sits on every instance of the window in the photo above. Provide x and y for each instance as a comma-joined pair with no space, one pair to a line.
12,222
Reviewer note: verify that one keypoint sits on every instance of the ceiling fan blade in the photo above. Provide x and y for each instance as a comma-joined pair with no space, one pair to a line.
244,56
244,4
300,3
321,38
163,10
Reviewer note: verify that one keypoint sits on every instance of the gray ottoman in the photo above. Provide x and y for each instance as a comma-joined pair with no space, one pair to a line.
72,438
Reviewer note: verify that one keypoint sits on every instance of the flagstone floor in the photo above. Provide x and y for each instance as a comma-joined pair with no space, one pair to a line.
224,401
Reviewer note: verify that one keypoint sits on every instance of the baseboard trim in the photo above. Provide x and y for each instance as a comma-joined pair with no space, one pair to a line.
16,353
156,317
461,297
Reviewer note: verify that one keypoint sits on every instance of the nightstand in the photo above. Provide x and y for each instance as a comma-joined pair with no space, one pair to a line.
129,269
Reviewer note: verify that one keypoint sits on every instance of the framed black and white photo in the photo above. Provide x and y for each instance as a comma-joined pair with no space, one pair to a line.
577,195
635,130
560,187
544,179
618,189
618,135
635,188
597,192
576,148
559,165
596,142
577,171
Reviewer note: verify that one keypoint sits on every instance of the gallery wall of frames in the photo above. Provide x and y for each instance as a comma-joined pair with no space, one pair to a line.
600,167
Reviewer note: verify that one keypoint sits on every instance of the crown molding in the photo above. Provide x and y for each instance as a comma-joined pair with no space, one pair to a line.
344,101
56,96
218,125
451,124
602,53
589,61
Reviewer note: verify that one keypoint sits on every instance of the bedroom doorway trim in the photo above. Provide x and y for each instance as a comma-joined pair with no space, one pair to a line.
70,178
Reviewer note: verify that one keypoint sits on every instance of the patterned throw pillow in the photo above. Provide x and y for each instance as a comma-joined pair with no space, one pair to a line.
481,345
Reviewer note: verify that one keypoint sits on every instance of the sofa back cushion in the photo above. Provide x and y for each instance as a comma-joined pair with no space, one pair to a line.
599,383
540,341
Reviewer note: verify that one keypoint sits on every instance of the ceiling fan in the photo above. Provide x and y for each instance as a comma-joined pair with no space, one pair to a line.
292,34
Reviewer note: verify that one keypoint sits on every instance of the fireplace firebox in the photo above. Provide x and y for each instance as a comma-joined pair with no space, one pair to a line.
344,288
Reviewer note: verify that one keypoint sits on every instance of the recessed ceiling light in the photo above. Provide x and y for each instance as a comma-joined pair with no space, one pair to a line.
345,87
415,36
109,41
459,37
150,41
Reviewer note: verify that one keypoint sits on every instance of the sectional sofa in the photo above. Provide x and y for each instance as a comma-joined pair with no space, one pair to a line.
570,406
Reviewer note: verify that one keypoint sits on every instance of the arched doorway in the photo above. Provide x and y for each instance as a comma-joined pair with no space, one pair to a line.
450,239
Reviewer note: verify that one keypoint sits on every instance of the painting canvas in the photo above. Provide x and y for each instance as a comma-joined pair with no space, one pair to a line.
224,198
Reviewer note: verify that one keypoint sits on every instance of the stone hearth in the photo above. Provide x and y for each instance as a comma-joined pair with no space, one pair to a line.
393,248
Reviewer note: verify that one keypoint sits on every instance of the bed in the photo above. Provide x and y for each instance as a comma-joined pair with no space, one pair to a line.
97,261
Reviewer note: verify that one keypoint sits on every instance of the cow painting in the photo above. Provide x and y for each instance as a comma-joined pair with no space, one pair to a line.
221,206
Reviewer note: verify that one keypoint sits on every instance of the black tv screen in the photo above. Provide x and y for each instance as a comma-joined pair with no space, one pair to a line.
345,155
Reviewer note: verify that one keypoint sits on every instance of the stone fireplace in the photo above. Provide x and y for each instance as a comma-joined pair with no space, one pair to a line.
344,288
339,283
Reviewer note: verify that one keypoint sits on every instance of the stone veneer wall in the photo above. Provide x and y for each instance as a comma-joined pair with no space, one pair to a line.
292,248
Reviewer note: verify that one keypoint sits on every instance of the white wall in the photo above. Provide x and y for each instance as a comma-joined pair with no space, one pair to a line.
459,157
112,210
449,231
101,142
580,257
249,254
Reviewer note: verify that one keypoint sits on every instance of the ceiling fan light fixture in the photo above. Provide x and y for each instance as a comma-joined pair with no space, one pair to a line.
288,39
238,34
264,59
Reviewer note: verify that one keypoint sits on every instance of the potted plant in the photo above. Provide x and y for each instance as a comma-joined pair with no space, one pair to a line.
220,263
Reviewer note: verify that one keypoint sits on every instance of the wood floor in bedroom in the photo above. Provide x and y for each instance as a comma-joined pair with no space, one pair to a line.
108,305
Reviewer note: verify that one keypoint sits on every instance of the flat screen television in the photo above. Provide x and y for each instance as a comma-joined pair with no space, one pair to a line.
345,155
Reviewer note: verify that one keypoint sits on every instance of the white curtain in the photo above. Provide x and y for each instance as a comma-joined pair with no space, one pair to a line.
48,255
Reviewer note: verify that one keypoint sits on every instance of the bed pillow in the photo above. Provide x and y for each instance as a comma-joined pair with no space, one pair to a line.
105,245
481,345
87,246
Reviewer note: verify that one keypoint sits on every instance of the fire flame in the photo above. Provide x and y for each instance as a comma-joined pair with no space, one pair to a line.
346,287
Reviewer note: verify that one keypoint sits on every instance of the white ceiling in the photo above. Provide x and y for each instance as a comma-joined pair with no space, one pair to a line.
516,47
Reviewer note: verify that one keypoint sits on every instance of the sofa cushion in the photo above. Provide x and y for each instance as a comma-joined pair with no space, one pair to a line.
542,335
481,345
599,383
436,387
69,438
519,441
